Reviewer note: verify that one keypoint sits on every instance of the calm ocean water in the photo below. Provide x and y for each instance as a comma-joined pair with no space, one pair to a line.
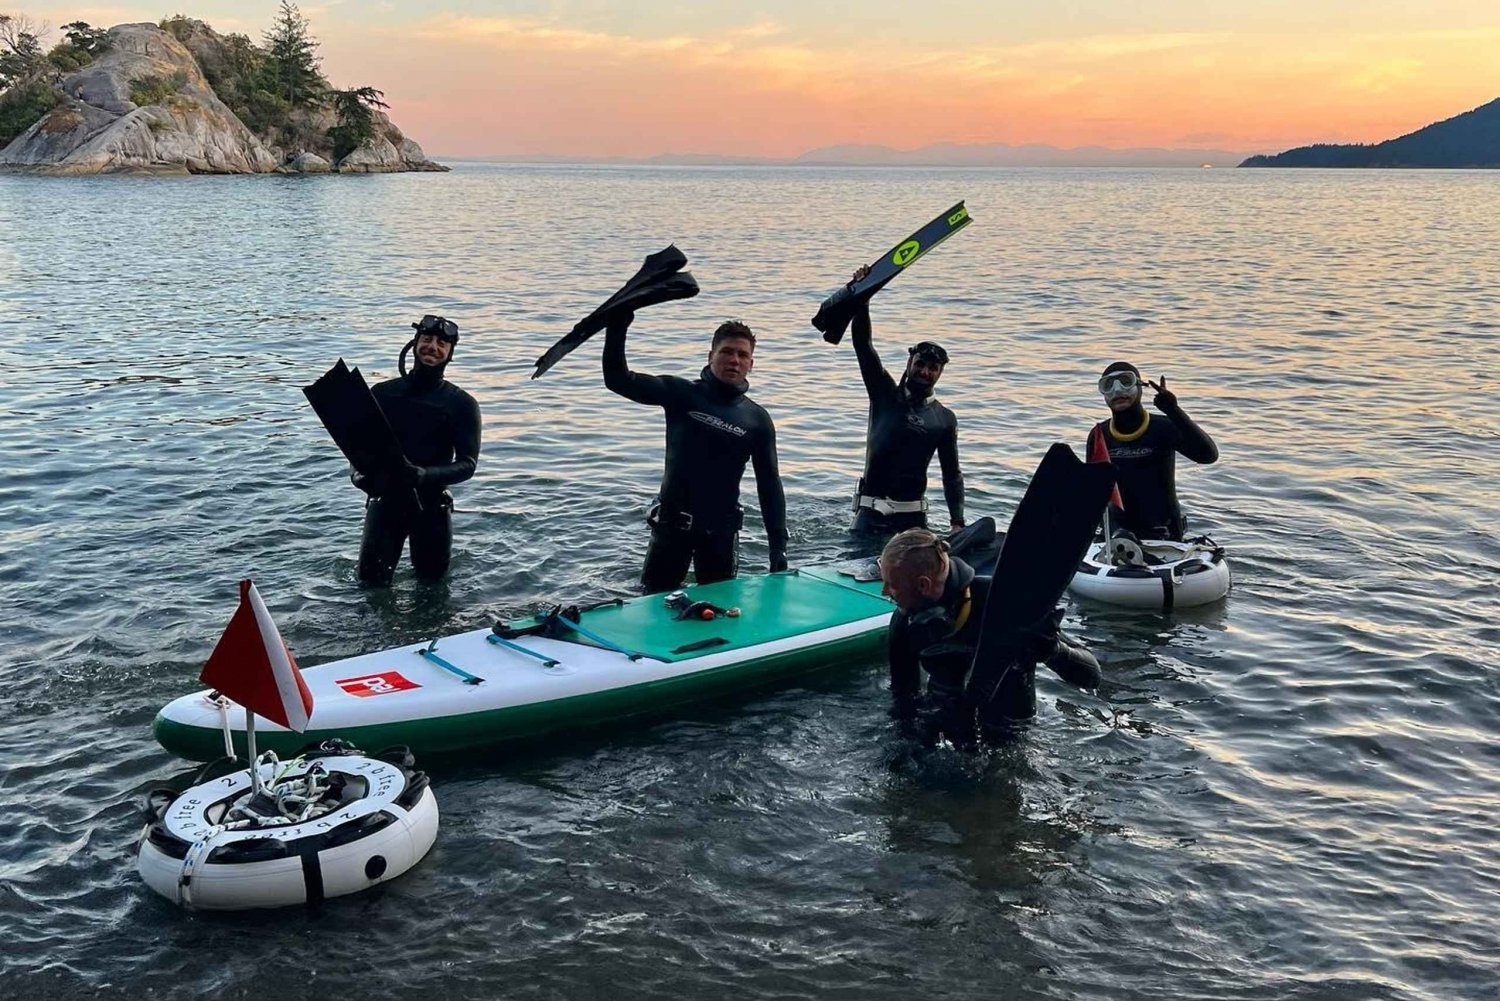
1290,795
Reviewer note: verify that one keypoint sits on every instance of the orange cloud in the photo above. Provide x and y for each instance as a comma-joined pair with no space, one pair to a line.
470,85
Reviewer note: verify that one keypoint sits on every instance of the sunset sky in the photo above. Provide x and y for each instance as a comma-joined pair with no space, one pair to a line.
779,77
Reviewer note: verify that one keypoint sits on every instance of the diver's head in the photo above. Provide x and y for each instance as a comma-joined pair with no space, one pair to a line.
731,355
433,345
914,568
924,366
1120,385
435,340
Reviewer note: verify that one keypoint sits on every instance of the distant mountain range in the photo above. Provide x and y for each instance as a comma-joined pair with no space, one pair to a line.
937,155
1471,139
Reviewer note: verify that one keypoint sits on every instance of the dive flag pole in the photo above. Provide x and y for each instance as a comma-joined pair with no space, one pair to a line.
254,757
1099,452
252,665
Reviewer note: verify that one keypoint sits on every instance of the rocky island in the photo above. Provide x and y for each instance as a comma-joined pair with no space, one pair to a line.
179,98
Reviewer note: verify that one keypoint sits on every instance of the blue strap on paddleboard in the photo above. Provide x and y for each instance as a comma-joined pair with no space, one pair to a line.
427,653
588,633
518,648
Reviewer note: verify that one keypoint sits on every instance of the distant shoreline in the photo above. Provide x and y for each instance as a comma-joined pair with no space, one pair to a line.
541,161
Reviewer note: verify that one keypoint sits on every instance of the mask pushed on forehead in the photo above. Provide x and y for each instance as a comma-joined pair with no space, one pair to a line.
440,327
929,351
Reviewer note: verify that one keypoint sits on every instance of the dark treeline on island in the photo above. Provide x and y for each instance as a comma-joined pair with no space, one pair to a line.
178,97
1471,139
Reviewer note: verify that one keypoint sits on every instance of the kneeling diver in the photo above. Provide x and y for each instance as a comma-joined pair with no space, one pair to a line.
936,629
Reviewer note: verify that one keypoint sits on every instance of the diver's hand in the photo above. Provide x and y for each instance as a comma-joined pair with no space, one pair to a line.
860,272
778,563
412,474
1165,400
368,484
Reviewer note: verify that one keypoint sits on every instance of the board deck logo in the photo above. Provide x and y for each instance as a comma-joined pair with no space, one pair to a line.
376,684
958,217
905,253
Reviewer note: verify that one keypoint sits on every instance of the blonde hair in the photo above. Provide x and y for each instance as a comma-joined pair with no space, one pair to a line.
916,552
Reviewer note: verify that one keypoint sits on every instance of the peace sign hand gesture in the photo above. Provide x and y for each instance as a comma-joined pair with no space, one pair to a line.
1164,400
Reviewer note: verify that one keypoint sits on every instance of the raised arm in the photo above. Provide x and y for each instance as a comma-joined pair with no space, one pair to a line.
877,379
650,389
772,496
1193,441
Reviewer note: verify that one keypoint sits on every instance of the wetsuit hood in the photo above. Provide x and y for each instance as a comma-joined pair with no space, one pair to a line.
960,576
1126,421
937,621
422,376
910,395
720,388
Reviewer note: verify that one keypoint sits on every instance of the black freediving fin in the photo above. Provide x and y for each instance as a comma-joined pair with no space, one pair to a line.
836,312
1048,536
660,279
347,408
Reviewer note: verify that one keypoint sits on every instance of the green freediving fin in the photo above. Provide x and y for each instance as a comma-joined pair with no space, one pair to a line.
836,312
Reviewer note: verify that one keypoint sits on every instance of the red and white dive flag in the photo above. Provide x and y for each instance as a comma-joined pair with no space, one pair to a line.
1099,452
252,665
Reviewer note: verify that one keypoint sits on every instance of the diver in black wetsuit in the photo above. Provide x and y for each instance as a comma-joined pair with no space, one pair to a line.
713,428
935,630
1143,448
906,426
438,427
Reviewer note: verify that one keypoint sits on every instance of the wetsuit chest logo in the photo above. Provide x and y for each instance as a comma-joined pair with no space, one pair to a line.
916,421
1131,452
717,423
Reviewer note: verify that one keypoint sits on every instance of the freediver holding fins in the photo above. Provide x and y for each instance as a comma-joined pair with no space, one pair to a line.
906,427
976,636
408,439
713,430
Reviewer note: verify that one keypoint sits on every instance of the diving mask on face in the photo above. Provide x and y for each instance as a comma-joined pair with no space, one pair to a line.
1117,383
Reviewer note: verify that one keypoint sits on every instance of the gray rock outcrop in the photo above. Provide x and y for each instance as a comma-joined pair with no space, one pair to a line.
184,128
306,163
100,129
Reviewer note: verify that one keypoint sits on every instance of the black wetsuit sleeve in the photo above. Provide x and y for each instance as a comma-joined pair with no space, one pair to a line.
768,487
648,389
906,672
953,476
1074,664
878,381
465,448
1192,441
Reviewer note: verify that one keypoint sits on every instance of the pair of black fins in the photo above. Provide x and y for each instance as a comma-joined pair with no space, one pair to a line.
661,279
343,402
1047,539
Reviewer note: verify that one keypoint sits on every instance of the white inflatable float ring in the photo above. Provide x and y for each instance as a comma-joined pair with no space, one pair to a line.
1153,573
330,822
